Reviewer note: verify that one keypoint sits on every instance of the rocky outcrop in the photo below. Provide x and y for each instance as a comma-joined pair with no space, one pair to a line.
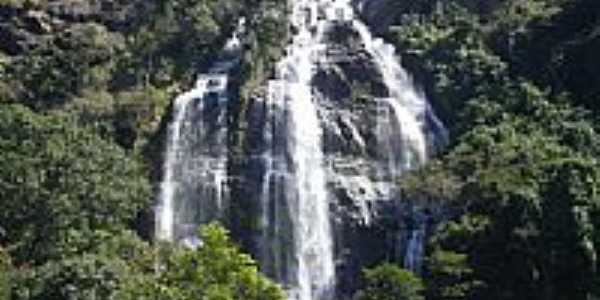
380,14
371,221
337,126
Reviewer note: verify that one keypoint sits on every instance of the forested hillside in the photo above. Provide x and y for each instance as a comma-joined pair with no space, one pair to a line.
85,97
517,84
86,91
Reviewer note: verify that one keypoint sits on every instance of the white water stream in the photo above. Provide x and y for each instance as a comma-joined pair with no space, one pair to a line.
296,239
308,261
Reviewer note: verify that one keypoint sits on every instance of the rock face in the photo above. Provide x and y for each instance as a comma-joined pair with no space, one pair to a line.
372,221
313,183
362,148
380,14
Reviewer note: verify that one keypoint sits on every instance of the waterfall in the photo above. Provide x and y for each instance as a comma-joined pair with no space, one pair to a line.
296,242
407,106
415,246
408,114
276,236
292,232
294,191
413,258
166,212
193,190
411,112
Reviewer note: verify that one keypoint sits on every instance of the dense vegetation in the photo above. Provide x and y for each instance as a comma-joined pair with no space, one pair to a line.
85,88
84,99
390,282
516,83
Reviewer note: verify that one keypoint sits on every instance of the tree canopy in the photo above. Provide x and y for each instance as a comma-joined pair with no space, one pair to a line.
60,183
520,175
390,282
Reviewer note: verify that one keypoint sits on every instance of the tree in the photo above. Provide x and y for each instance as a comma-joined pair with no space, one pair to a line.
526,230
79,57
568,257
449,276
216,270
102,273
85,277
520,176
390,282
59,184
225,272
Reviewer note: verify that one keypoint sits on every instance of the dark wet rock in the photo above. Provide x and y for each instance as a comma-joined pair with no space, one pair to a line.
15,41
37,22
380,14
370,219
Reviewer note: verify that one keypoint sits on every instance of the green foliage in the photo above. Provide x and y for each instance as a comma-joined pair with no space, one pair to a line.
526,230
216,270
552,43
449,276
116,260
465,57
226,272
137,114
507,77
68,190
521,172
390,282
59,182
80,57
266,40
83,277
180,37
121,266
118,77
449,52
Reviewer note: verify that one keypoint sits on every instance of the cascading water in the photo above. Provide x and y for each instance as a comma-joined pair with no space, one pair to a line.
415,247
407,106
193,191
166,211
293,234
411,111
295,174
293,192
